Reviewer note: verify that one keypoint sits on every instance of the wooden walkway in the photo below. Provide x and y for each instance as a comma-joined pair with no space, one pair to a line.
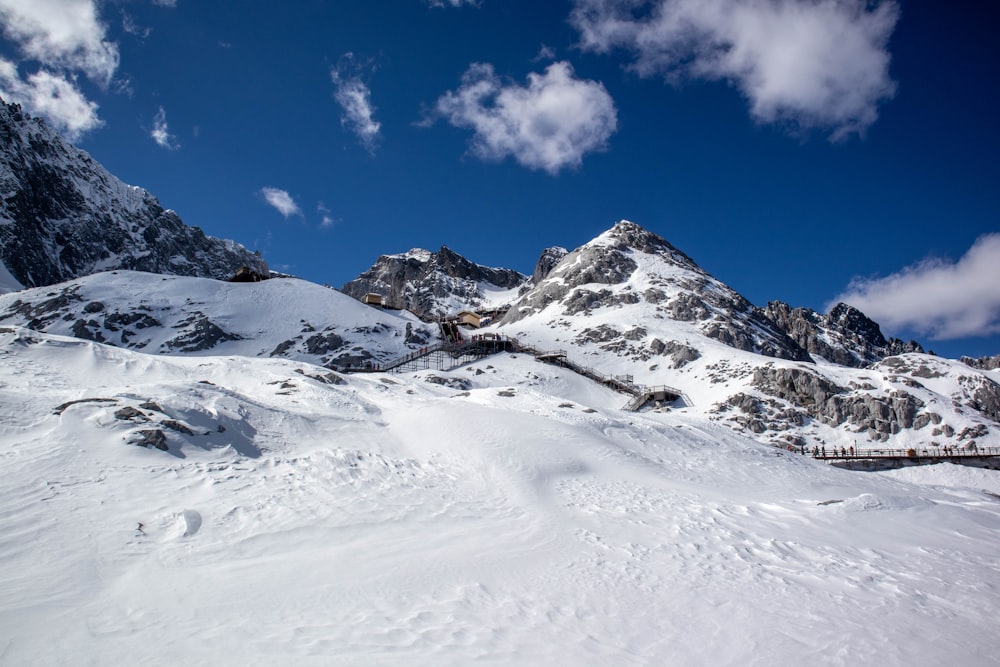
448,355
921,456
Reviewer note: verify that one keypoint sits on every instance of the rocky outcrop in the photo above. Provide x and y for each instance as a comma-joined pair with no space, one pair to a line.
680,354
548,260
62,216
982,363
431,284
817,397
844,336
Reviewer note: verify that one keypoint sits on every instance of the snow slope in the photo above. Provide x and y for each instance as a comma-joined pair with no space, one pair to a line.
506,512
181,315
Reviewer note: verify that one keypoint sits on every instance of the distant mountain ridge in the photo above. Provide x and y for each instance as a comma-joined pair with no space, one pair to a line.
62,216
435,284
844,336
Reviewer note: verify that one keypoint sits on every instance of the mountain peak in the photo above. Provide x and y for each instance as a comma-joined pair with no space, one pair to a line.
627,235
639,276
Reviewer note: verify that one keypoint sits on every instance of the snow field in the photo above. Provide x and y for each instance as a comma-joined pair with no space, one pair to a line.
514,517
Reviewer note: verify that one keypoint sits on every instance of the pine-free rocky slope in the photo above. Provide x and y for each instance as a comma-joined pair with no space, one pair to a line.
63,216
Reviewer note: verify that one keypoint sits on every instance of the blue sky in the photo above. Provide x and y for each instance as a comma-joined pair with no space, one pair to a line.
802,151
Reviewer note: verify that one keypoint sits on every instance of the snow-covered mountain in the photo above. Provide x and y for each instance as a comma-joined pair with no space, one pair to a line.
282,317
630,304
62,216
436,284
628,265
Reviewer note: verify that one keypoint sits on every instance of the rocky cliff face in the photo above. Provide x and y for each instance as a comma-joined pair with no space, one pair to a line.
435,284
844,336
62,215
982,363
548,260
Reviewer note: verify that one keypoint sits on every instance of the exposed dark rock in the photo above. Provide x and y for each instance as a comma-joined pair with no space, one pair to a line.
687,307
62,216
982,363
88,330
151,438
200,334
844,336
982,394
549,258
128,413
62,408
325,378
323,343
420,281
247,274
601,334
880,416
681,354
454,383
116,321
417,336
175,425
43,313
282,348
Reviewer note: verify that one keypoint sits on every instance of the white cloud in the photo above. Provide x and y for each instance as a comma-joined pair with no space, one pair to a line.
60,38
326,219
936,297
451,3
161,133
165,3
548,124
51,96
355,100
61,34
282,201
812,63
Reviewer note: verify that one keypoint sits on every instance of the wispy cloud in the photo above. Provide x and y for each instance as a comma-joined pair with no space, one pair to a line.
131,27
54,97
165,3
812,63
161,133
326,217
281,200
355,100
451,3
936,297
544,53
548,124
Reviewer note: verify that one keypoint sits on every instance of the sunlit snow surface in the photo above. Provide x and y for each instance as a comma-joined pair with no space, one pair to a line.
516,516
